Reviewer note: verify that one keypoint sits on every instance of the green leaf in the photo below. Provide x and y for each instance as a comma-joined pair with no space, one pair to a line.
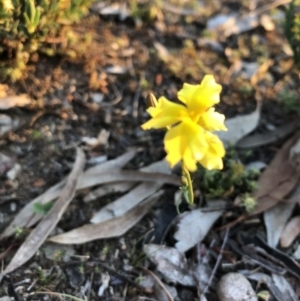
43,209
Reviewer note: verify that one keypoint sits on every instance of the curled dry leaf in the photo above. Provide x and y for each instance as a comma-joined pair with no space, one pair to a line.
290,232
235,287
114,227
37,236
278,179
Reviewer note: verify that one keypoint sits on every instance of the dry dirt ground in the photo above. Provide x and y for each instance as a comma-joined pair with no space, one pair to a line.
105,90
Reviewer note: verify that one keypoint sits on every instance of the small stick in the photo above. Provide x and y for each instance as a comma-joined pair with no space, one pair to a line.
218,261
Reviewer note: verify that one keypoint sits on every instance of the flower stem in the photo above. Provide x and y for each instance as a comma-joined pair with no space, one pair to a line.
187,185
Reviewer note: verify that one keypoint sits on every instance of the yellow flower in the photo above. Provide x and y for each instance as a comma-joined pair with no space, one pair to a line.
190,124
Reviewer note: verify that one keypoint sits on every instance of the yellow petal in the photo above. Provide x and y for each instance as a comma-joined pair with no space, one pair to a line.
164,114
212,159
212,121
186,142
198,98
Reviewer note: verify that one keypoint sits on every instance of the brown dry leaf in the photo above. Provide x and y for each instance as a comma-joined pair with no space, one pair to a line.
114,227
14,101
290,232
163,52
261,72
27,217
278,179
161,292
41,232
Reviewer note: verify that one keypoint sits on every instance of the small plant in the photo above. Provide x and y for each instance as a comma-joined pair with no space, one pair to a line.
28,26
290,101
42,209
232,180
248,202
292,29
144,11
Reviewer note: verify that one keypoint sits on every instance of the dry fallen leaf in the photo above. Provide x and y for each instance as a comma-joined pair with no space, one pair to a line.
114,227
171,263
14,101
285,288
290,232
277,180
27,217
107,189
194,225
227,25
37,236
276,217
240,126
163,52
134,197
267,137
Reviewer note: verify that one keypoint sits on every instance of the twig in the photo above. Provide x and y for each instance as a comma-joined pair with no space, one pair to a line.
218,261
120,276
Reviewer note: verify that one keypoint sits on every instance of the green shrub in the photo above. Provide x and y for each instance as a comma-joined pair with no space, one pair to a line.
27,25
292,29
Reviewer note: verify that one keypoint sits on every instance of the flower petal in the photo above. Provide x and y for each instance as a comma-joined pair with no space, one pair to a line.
212,121
215,152
164,114
198,98
186,142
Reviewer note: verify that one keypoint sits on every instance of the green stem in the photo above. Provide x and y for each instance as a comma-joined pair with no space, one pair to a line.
188,185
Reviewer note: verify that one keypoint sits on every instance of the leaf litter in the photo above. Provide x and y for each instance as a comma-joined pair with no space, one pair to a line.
37,236
114,227
100,174
209,63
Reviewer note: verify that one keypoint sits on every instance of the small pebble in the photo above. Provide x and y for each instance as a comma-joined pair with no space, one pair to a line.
235,287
